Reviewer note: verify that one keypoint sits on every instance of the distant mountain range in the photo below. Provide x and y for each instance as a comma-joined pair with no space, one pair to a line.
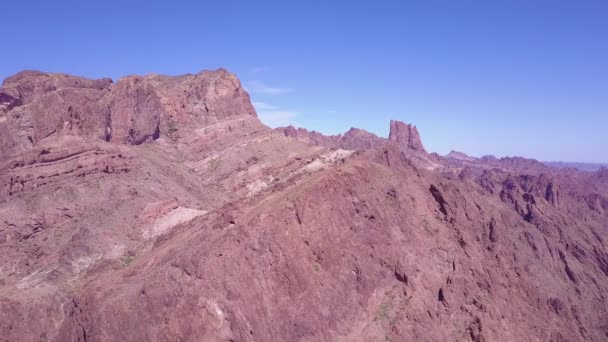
463,157
579,166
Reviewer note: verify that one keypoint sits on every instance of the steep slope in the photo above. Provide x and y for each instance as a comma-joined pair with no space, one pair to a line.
71,198
164,210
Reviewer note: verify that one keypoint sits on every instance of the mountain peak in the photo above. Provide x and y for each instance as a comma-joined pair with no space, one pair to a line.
133,110
406,135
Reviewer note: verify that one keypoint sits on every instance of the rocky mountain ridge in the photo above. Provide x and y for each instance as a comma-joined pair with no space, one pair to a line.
133,110
401,133
579,166
161,208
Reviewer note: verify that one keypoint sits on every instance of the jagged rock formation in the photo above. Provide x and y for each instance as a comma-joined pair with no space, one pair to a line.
160,208
402,134
405,135
354,138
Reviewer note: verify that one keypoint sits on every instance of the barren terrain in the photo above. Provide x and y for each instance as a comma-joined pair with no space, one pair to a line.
159,208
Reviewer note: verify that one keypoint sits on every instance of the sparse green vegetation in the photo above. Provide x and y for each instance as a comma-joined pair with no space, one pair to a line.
126,260
427,225
214,164
383,312
71,194
171,127
31,201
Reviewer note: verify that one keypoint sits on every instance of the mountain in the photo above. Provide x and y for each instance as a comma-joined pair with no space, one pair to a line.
578,166
460,156
160,208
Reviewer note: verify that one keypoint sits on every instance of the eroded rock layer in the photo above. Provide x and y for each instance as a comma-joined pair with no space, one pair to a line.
160,208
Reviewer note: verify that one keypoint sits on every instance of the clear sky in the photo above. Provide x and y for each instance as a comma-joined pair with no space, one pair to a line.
498,77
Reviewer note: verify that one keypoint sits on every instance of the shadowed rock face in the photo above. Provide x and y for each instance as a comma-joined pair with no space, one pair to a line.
159,208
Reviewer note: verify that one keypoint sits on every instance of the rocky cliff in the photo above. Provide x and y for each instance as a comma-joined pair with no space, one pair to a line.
136,109
159,208
405,135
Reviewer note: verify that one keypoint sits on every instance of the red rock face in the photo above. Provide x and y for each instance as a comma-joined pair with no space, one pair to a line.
40,105
405,135
136,109
160,209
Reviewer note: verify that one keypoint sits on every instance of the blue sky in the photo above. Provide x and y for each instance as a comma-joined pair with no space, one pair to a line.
525,78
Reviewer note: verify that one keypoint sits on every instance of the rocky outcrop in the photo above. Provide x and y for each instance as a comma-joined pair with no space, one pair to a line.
205,98
70,158
136,109
40,105
405,135
404,138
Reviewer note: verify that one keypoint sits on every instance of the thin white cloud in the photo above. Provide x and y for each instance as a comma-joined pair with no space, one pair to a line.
261,88
260,106
278,118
